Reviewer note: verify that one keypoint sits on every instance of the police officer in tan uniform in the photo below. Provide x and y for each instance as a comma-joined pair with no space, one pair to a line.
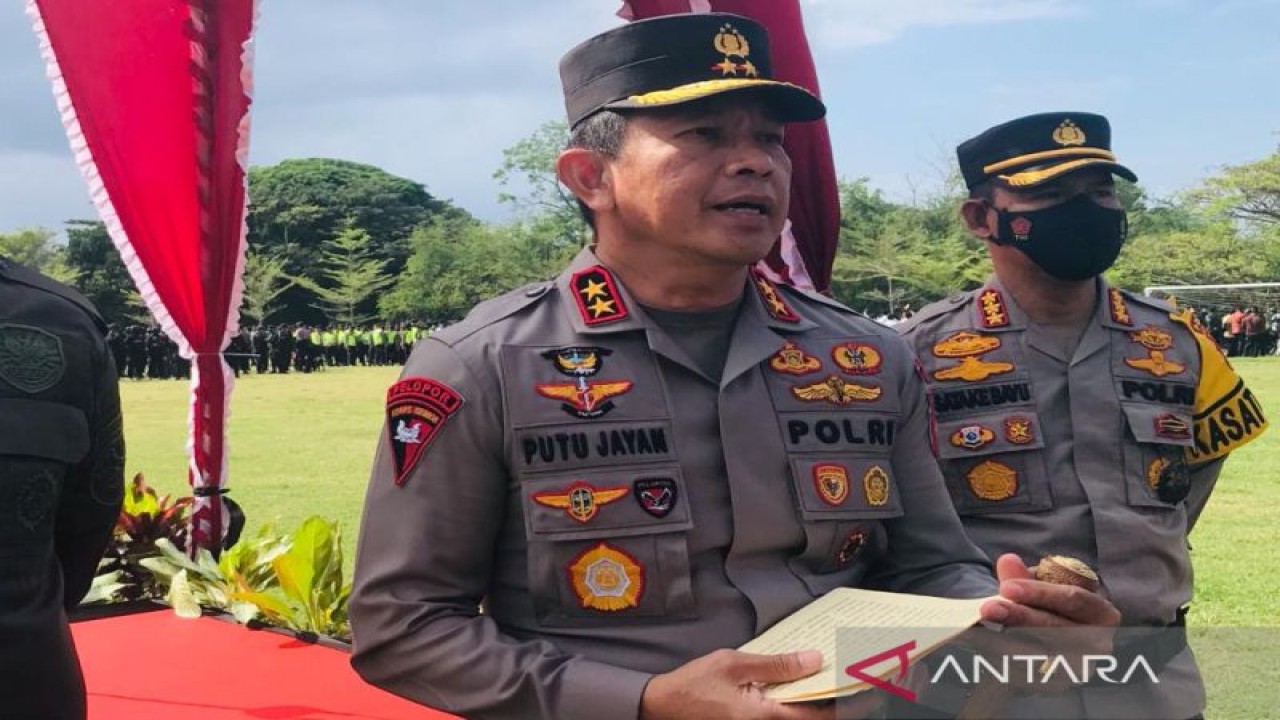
1070,416
590,487
61,485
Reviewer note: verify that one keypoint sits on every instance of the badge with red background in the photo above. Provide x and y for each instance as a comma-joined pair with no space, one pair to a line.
417,408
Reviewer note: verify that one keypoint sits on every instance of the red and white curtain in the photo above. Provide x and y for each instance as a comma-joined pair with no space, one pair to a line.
154,96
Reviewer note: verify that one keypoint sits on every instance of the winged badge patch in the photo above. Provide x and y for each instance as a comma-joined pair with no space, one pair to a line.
837,391
584,399
581,501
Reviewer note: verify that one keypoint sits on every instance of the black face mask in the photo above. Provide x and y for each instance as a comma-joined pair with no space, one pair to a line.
1076,240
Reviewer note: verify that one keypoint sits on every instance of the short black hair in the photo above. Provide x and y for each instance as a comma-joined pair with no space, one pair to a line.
601,132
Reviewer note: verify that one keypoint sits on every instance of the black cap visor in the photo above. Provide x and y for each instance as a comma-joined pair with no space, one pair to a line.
791,103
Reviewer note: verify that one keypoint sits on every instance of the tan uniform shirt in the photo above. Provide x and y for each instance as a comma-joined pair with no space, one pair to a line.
559,460
1107,455
61,485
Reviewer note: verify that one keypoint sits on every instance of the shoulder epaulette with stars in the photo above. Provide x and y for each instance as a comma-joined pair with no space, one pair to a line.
992,309
773,301
597,296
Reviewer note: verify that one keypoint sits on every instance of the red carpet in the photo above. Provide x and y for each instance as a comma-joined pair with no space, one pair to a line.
157,666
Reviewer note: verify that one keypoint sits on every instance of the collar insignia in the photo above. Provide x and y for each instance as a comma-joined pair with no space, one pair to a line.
776,306
597,296
580,501
992,308
606,578
1119,310
836,391
857,358
793,360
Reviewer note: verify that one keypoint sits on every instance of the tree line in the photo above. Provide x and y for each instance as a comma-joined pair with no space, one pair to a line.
332,241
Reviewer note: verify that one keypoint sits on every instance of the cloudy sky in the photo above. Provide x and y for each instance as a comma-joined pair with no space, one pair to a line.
434,91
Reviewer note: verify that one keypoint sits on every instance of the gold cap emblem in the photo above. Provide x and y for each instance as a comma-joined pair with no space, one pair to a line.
733,44
1068,133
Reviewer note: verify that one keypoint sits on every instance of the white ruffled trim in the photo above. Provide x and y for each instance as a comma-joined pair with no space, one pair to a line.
97,190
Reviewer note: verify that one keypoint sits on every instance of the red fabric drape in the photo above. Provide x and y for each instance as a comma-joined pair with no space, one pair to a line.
815,199
154,95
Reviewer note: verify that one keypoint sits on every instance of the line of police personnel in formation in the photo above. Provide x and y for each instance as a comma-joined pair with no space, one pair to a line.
146,352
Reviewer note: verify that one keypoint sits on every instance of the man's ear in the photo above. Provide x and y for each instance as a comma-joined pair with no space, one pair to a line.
586,174
974,213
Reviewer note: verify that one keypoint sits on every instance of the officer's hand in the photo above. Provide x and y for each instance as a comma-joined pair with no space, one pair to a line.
1032,603
727,684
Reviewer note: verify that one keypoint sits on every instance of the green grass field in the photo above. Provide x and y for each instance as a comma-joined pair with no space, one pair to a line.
302,444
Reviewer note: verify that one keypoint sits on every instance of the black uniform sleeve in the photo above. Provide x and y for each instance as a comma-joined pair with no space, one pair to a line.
94,488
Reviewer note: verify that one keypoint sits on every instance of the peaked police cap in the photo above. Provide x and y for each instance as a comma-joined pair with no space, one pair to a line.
674,59
1035,149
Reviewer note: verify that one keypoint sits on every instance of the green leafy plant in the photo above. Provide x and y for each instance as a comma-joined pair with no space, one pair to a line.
309,594
145,519
294,581
219,584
